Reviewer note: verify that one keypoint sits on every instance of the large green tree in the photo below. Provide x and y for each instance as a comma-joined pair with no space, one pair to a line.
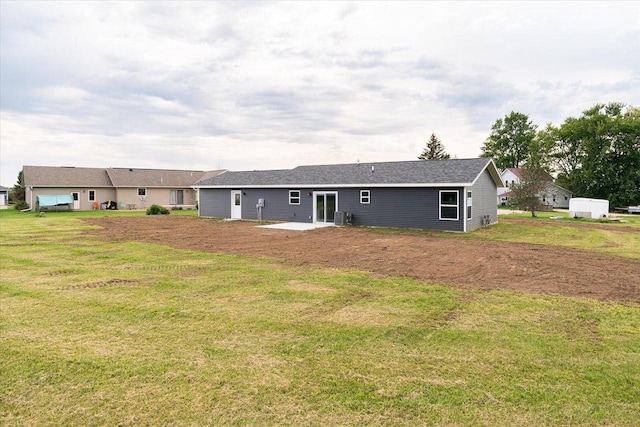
598,154
433,150
509,141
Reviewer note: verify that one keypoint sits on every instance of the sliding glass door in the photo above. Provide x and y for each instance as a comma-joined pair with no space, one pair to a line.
325,205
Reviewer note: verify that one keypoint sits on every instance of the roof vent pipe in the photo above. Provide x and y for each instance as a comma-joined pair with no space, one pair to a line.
372,169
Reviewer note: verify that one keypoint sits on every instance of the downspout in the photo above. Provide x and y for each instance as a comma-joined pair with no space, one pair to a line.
464,210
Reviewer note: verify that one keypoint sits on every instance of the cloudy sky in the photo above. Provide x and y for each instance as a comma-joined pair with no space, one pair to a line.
263,85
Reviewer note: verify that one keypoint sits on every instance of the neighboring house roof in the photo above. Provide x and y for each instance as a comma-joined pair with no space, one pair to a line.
54,176
518,173
462,172
4,189
64,176
126,177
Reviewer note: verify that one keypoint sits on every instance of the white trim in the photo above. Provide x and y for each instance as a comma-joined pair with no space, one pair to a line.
95,195
299,197
440,205
316,193
368,197
391,185
234,207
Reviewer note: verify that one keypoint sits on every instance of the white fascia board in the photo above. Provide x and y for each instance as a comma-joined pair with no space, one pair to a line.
495,174
405,185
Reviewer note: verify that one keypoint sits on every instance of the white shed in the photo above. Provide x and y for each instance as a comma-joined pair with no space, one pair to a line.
580,207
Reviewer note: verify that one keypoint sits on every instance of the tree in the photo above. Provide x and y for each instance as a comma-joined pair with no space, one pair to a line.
598,154
534,175
509,141
17,193
433,150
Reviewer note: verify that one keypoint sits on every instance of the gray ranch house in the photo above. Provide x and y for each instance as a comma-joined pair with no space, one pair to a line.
452,194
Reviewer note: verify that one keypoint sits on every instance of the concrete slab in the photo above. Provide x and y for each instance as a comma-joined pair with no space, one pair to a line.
296,226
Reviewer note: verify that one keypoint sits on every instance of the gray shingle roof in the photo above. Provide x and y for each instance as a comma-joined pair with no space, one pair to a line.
53,176
419,172
125,177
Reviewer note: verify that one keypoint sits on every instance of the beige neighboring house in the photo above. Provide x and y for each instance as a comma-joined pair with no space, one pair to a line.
129,188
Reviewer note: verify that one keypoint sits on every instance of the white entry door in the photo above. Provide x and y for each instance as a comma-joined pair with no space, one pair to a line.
236,204
76,201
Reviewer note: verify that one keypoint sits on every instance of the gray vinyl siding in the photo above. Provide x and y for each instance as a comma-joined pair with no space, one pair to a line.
214,203
276,205
484,201
400,207
389,207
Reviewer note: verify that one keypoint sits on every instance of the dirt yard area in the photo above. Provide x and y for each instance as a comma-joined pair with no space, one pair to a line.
435,257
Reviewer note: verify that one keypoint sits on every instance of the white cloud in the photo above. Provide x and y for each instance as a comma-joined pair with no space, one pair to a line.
275,85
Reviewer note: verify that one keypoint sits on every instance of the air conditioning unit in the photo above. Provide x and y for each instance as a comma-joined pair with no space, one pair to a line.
339,218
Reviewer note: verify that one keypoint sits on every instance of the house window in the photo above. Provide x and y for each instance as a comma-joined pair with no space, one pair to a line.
469,205
142,191
92,195
177,197
365,197
294,197
448,205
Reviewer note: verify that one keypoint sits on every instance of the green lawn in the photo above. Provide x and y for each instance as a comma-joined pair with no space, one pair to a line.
101,333
617,238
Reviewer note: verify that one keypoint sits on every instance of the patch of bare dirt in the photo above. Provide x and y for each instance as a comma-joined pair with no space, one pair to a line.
433,257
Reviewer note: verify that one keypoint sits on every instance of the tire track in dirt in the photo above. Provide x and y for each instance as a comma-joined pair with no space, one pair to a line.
435,257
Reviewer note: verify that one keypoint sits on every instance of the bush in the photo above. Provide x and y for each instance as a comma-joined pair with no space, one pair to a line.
20,205
157,210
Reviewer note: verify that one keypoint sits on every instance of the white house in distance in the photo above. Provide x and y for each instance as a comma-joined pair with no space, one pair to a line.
4,197
554,196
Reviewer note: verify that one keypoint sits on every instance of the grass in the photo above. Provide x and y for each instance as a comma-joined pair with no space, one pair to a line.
101,333
618,239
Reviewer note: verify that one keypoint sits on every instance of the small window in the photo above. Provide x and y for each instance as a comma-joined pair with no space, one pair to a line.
92,195
294,197
142,191
469,205
365,197
448,205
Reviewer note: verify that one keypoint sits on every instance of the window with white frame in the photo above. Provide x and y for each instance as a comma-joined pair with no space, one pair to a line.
469,205
449,205
142,191
92,195
365,197
294,197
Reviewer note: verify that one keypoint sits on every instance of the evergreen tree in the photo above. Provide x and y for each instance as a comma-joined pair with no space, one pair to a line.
17,193
434,150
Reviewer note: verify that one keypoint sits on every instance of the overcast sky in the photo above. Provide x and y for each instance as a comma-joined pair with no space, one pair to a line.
265,85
